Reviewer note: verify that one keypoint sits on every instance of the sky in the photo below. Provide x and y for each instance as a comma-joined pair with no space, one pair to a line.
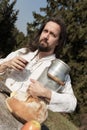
26,7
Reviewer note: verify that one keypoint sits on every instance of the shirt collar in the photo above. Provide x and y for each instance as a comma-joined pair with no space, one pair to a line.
52,56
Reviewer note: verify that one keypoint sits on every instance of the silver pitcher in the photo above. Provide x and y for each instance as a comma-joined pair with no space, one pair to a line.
54,76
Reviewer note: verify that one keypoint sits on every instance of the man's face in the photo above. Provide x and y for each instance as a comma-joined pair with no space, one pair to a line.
49,37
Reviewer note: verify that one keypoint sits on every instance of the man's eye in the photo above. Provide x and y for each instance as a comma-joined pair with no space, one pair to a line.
53,34
45,31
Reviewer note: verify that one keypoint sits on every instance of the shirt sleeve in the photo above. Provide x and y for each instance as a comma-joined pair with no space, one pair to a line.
65,100
10,56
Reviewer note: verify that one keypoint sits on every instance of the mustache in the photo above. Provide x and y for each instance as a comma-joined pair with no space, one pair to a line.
44,40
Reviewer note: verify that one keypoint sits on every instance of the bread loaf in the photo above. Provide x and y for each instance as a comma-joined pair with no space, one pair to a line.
26,108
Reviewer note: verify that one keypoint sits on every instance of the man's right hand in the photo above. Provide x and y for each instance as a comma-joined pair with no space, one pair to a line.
17,63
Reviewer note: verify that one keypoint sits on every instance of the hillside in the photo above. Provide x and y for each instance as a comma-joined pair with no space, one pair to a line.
57,121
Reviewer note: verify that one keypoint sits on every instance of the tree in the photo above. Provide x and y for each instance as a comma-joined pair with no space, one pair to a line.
74,12
8,17
20,38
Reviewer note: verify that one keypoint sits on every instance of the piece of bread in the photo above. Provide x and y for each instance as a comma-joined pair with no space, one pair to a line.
25,110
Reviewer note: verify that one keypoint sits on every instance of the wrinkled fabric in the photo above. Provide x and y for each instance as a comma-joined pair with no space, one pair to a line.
62,101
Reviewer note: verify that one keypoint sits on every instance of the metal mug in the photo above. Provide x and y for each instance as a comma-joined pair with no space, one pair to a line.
58,70
54,76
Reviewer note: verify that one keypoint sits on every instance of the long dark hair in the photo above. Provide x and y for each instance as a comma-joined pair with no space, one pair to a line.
34,45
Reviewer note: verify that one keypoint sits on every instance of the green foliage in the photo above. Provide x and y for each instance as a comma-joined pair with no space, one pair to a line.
8,16
20,39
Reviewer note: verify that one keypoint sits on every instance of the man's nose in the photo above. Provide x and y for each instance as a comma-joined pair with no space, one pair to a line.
47,35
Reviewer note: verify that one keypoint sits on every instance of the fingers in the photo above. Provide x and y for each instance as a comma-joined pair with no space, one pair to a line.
18,63
36,88
30,92
32,88
32,80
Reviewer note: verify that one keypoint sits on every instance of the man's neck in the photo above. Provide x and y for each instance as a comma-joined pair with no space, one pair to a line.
44,54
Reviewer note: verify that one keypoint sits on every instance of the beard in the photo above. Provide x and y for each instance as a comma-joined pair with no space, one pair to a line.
44,47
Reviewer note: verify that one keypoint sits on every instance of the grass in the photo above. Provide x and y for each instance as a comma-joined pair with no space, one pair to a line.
56,121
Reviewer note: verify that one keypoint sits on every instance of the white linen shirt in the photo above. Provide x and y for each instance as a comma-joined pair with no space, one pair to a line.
62,101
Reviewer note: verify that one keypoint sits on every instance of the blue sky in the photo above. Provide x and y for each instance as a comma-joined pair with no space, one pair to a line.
26,7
